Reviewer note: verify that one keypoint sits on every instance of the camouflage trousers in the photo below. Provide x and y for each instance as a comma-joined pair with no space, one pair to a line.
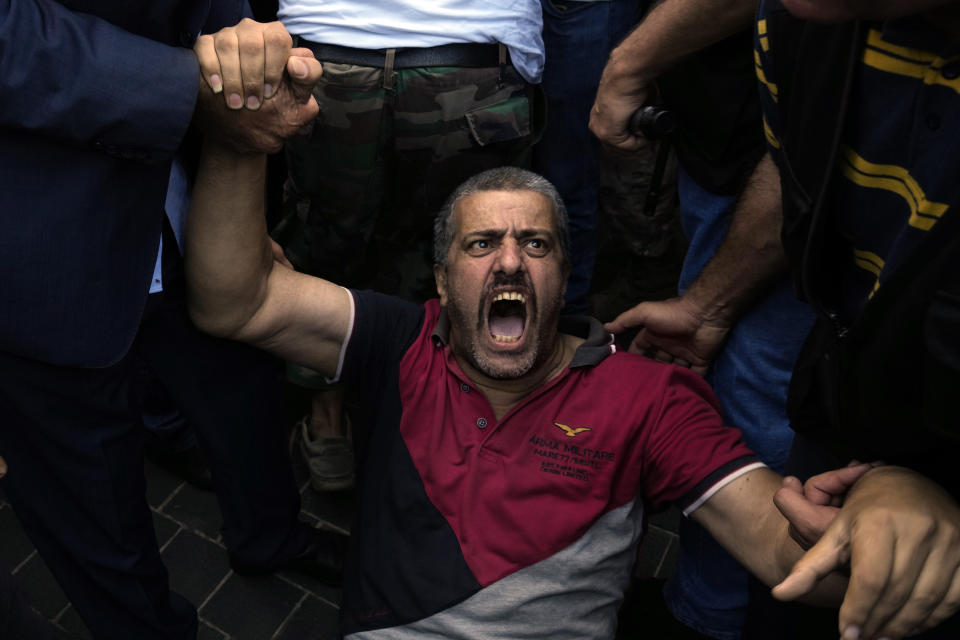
383,155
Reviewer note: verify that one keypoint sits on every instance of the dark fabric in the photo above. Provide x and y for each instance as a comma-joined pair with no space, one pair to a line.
74,442
885,385
713,93
84,164
401,526
17,619
471,54
857,388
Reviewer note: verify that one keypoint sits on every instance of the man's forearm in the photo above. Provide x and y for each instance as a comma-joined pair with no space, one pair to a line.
672,30
228,255
751,256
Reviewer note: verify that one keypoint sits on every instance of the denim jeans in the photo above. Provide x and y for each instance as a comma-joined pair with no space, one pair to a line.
750,376
578,37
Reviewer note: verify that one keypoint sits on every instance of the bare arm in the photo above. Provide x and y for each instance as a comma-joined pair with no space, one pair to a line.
897,532
236,288
672,30
742,517
691,329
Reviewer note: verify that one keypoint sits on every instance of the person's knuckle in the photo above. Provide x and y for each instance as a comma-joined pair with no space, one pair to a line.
225,42
278,36
868,582
924,601
250,47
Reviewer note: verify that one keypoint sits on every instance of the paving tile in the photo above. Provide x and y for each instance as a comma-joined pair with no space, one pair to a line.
16,545
42,590
196,566
313,619
332,595
251,608
669,564
335,507
195,509
70,620
164,527
207,632
652,549
160,484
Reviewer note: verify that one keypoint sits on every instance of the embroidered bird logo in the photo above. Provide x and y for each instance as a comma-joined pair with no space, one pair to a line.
571,431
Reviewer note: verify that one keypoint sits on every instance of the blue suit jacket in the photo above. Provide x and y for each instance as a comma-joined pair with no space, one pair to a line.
94,100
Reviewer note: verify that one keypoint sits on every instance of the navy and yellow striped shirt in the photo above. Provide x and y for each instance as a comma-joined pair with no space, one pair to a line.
899,163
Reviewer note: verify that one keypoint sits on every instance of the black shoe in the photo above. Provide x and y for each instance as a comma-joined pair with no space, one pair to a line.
322,559
188,464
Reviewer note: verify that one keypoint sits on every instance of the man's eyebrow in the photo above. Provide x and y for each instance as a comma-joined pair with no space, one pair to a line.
536,231
485,233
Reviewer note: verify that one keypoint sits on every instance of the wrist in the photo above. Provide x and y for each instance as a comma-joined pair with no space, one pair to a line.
626,73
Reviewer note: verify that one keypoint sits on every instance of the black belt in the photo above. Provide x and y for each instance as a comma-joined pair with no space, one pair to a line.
446,55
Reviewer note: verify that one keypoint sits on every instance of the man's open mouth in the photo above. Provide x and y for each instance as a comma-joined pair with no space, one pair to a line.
508,315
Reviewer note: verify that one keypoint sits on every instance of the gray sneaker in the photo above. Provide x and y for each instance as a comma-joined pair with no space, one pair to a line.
330,460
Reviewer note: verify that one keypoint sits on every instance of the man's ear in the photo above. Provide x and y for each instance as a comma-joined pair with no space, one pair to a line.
440,275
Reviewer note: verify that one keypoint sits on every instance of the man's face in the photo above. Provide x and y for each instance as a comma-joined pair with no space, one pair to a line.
504,281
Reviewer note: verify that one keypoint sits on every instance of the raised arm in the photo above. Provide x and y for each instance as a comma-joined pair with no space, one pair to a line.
236,288
672,30
691,329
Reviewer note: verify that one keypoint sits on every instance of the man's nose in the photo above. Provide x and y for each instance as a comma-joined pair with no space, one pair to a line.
509,258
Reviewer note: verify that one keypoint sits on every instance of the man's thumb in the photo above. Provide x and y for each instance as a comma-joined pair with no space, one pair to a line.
822,558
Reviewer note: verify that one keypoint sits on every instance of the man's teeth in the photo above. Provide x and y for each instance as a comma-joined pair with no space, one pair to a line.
506,338
510,295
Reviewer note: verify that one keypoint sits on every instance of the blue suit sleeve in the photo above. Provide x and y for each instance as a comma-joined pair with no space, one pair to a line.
82,80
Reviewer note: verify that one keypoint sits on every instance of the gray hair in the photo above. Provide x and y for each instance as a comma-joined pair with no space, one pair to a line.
499,179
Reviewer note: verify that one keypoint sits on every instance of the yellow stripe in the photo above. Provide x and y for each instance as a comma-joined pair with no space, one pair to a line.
762,35
883,62
918,64
768,132
875,39
887,177
763,78
871,262
762,27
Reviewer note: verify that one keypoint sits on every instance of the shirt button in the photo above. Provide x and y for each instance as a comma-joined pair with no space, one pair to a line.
464,387
482,423
951,71
933,121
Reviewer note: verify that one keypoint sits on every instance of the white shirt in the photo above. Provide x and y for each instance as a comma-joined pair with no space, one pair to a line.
385,24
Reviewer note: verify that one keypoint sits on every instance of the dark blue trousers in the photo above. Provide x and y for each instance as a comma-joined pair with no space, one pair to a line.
73,439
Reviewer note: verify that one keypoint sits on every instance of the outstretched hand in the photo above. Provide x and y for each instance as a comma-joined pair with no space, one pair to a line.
254,60
674,331
900,534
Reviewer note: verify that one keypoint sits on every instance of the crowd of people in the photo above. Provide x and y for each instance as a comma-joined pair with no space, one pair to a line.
426,277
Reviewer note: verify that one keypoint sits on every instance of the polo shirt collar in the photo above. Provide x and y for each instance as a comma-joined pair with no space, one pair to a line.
597,346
